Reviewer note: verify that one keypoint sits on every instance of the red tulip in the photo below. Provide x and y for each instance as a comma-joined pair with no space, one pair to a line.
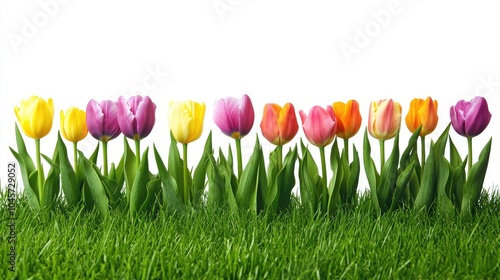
279,125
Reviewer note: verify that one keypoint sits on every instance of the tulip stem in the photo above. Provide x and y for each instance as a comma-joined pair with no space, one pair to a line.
324,197
75,158
238,155
39,166
186,174
346,148
279,155
105,157
137,153
422,150
469,160
382,154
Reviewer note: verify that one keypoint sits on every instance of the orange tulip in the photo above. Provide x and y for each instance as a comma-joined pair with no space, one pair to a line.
279,125
348,118
384,119
422,113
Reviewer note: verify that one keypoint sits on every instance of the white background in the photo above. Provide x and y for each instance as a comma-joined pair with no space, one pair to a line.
274,51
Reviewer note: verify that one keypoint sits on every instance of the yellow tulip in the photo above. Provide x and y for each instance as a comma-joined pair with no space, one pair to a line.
422,113
35,116
73,124
186,120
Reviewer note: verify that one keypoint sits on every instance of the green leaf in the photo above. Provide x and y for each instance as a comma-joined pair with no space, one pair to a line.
459,179
171,200
70,185
130,168
138,192
336,184
427,190
475,180
200,173
95,186
153,189
309,195
94,155
22,152
51,183
406,158
371,172
455,158
279,193
444,181
353,181
401,185
440,145
246,195
388,177
175,163
30,187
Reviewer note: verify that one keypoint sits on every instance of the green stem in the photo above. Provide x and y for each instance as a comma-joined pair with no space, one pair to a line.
186,173
346,148
469,145
279,151
324,194
382,154
105,157
137,153
39,167
75,158
422,150
238,155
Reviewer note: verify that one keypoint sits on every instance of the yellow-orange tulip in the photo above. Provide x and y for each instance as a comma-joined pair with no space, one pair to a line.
73,124
422,113
279,124
348,118
384,119
35,116
186,120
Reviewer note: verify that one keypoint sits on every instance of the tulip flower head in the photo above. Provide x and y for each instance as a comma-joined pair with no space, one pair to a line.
384,119
279,125
73,124
471,118
234,117
186,120
136,116
422,113
101,118
320,126
35,116
348,118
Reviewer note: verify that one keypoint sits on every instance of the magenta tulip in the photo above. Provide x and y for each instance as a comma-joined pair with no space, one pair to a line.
471,118
234,117
101,118
320,126
136,116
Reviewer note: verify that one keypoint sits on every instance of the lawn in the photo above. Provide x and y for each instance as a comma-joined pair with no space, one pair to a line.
212,244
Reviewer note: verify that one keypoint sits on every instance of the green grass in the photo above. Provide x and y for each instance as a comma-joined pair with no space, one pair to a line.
211,244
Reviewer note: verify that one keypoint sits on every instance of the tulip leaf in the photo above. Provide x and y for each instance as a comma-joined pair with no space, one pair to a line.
440,144
388,177
336,183
138,191
230,156
220,193
455,158
130,168
414,182
88,201
69,181
444,181
371,172
95,186
427,190
352,183
22,152
175,163
406,157
459,179
308,193
153,189
401,185
474,184
200,173
280,190
171,200
272,169
246,195
30,188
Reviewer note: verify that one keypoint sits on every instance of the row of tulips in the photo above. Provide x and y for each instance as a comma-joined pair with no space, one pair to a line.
429,182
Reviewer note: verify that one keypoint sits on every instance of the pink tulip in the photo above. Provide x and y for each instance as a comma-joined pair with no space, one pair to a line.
101,118
385,119
136,116
320,126
234,116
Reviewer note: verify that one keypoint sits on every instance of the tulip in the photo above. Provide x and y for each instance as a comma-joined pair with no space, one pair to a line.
35,117
320,127
73,128
102,123
235,118
186,125
279,126
348,118
469,119
136,118
384,122
423,115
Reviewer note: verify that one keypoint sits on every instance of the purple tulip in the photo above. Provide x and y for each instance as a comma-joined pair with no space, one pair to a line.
234,116
136,116
102,120
469,119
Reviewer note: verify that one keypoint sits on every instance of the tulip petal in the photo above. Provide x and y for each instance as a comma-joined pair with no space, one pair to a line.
125,117
477,116
145,117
